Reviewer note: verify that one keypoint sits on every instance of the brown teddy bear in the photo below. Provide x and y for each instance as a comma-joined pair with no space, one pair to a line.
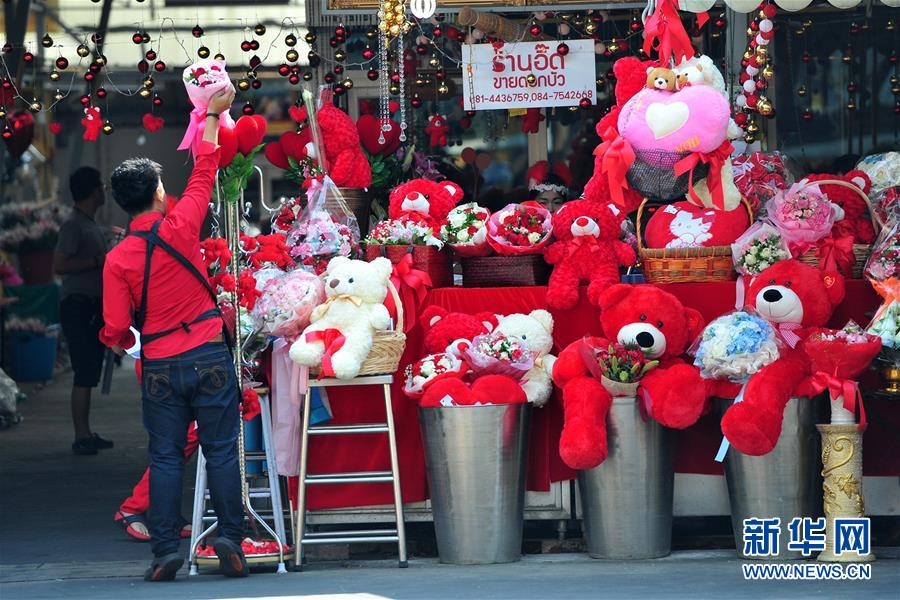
659,78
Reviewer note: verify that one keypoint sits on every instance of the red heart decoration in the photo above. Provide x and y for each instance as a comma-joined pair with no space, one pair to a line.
275,153
22,124
294,144
393,106
297,113
249,134
261,124
55,128
228,145
369,127
153,124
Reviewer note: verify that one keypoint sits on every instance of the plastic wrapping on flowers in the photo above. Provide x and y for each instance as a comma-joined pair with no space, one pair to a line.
887,205
287,301
430,369
519,229
883,169
325,229
466,230
403,232
498,354
843,353
735,346
758,248
759,176
883,272
803,214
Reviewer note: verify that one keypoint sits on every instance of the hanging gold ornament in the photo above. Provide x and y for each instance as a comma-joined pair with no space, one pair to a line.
801,91
35,106
753,128
851,105
590,28
108,128
243,85
764,107
434,61
531,79
443,89
82,50
761,51
347,83
748,55
889,26
340,55
145,93
54,75
768,72
394,88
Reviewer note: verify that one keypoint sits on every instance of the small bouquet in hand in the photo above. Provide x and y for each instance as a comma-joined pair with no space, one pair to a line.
803,215
837,358
519,229
402,232
466,230
735,346
499,354
618,367
758,248
430,369
202,80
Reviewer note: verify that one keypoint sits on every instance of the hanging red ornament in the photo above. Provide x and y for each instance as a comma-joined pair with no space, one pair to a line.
89,76
28,57
340,30
197,31
245,45
562,49
151,54
62,62
284,70
7,132
256,84
762,84
421,49
395,77
333,42
440,74
635,25
143,66
610,75
720,22
160,66
157,101
255,61
101,92
893,57
740,118
770,10
585,103
415,101
338,69
85,99
372,74
294,79
436,32
806,58
137,38
851,87
339,89
329,77
248,109
254,45
94,68
535,29
752,100
368,53
854,28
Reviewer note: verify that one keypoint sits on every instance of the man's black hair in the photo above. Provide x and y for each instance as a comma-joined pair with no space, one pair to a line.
84,182
134,183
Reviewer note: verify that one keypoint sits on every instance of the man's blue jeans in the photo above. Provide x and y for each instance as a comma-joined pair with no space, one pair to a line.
200,385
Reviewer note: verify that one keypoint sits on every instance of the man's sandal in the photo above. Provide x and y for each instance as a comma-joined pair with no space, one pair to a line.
164,568
127,523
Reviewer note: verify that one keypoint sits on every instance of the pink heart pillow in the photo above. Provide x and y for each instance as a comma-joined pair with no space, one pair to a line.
694,119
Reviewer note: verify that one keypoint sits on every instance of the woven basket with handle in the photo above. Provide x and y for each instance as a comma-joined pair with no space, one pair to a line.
860,251
387,346
686,265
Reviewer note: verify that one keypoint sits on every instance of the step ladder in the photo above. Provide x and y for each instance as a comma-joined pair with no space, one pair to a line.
204,520
305,538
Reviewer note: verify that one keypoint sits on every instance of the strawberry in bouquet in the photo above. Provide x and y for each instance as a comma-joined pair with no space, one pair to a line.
431,369
498,354
519,229
466,230
837,357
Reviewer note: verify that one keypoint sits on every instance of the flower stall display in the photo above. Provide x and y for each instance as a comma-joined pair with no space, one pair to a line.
411,245
466,230
519,229
203,79
430,369
498,354
837,357
759,248
30,226
803,215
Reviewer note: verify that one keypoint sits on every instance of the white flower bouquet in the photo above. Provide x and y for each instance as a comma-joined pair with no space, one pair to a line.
402,232
758,248
466,230
429,369
735,346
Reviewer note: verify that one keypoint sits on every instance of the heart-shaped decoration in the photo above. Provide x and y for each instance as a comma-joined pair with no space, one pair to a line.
275,154
369,128
152,123
228,145
665,119
55,128
294,144
297,113
250,132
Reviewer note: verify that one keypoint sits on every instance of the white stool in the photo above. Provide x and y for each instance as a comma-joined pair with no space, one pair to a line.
305,538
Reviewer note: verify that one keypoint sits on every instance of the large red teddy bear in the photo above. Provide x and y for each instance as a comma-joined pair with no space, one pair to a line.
856,222
443,328
654,320
587,250
424,201
796,298
631,77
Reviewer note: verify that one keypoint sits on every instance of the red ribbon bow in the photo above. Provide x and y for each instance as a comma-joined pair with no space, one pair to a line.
664,32
836,254
412,286
617,157
716,160
787,332
333,340
839,388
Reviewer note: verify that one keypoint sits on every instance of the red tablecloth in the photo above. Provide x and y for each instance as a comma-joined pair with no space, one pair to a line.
696,446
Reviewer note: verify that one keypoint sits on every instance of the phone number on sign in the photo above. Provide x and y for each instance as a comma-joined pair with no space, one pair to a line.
507,97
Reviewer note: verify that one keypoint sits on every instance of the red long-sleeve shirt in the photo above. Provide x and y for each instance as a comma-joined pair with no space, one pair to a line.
174,295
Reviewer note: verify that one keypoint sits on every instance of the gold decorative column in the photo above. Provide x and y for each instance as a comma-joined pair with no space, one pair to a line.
842,484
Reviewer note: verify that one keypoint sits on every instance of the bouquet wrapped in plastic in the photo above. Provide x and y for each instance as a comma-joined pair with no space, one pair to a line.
735,346
887,204
618,367
326,228
519,229
758,248
466,230
759,176
430,369
202,80
287,301
803,215
837,357
403,232
499,354
883,169
883,272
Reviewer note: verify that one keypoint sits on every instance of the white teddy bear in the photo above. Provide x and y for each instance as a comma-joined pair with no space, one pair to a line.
536,328
702,70
354,309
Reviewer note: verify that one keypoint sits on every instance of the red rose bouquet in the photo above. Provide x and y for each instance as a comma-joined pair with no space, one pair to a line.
618,367
499,354
519,229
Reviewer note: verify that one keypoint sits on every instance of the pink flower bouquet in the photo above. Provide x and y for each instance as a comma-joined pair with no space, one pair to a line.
317,238
499,354
202,80
287,302
803,214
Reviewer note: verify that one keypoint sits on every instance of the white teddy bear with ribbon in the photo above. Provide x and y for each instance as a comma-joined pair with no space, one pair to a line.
536,328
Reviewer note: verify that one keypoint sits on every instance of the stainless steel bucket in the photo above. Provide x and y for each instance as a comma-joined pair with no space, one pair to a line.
475,458
784,483
627,500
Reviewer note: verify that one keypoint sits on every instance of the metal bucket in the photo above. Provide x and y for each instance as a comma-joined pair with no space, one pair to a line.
475,458
784,483
627,500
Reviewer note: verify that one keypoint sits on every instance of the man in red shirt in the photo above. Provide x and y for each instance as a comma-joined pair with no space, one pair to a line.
157,274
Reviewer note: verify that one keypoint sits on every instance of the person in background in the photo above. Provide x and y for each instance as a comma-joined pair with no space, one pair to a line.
157,274
80,254
549,186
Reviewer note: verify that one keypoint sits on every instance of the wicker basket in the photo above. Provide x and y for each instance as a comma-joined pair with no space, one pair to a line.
425,258
504,271
387,346
860,251
685,265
